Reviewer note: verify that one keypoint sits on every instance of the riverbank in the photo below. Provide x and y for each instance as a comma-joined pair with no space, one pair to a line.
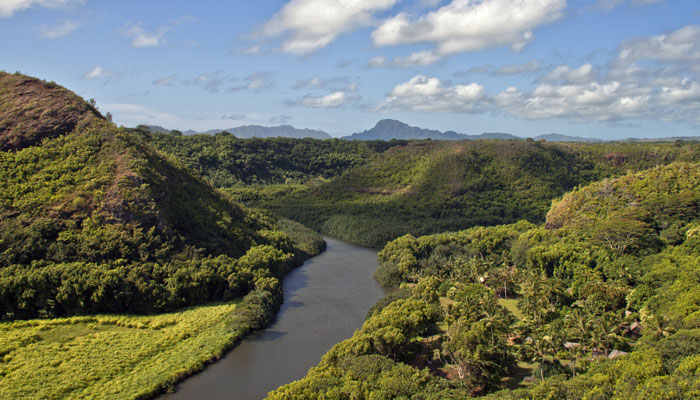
136,357
325,301
115,357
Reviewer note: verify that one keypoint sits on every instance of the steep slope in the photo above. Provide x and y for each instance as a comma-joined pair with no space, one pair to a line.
633,211
435,186
94,220
32,110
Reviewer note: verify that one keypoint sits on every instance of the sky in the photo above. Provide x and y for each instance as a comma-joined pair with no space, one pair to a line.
609,69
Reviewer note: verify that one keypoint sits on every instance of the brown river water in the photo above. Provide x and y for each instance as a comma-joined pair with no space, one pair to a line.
325,301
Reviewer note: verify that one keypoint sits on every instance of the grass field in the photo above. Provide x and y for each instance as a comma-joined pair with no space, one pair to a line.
112,357
512,306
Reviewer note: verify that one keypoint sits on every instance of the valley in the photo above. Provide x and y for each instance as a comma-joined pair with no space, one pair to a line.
131,259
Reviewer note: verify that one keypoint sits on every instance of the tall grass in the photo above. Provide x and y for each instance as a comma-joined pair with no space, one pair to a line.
113,357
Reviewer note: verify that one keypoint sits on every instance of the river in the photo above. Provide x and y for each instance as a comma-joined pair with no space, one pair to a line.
325,300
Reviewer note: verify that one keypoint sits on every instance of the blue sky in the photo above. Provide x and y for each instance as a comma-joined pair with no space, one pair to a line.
595,68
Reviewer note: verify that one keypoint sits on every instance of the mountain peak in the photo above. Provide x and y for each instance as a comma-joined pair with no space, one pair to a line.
390,123
387,129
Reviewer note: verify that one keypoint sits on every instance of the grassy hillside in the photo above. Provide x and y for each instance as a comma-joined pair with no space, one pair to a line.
615,267
82,357
94,220
32,110
426,187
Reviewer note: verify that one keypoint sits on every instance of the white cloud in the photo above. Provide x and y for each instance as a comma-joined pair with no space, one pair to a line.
516,69
9,7
605,99
212,82
335,99
280,119
425,94
103,72
96,72
469,25
255,49
144,38
256,82
565,73
478,69
342,93
165,81
309,25
234,117
686,91
58,30
420,58
377,62
610,101
654,78
417,59
313,83
343,83
217,81
682,45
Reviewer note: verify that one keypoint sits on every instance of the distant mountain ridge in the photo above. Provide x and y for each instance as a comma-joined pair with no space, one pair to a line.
258,131
251,131
388,129
556,137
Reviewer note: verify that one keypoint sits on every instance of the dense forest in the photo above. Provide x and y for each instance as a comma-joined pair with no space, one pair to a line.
430,187
372,192
228,162
613,270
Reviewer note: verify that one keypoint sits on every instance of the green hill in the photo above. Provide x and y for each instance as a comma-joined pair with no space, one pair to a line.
94,220
372,192
426,187
227,161
601,301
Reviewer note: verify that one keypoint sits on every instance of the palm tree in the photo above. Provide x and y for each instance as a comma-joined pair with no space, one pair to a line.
508,277
536,349
605,332
557,336
534,302
659,326
575,351
495,318
579,324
